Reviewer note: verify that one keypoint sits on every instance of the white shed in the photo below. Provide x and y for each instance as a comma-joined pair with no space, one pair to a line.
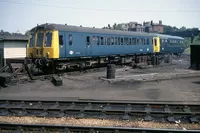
12,47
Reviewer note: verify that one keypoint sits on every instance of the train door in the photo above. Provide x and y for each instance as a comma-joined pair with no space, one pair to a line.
62,44
156,44
88,48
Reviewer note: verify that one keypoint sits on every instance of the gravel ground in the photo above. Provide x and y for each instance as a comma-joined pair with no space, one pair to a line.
96,122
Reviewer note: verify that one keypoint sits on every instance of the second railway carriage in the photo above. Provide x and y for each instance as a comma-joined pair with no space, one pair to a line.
55,43
170,44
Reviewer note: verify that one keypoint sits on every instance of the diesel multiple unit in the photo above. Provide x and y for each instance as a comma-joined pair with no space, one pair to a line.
58,47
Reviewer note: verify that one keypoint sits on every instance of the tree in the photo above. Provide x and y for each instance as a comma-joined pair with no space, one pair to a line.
114,26
109,27
183,28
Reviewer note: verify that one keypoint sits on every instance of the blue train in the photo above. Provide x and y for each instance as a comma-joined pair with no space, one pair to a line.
58,47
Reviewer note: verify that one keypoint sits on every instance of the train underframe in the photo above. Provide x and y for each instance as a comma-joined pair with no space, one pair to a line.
51,66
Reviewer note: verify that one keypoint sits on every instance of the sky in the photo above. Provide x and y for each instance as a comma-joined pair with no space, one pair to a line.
22,15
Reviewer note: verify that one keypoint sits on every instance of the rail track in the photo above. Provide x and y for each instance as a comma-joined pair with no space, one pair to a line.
19,128
158,112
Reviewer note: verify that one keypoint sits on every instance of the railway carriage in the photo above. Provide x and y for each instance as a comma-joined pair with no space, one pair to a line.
58,47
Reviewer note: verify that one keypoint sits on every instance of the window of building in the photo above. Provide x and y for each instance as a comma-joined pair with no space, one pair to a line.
61,40
40,37
94,40
70,39
102,41
32,40
112,41
48,39
108,41
88,40
98,40
125,41
122,41
119,40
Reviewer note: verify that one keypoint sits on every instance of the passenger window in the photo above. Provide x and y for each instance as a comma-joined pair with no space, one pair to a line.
102,41
61,40
88,40
133,41
144,41
94,40
138,42
98,40
122,41
147,41
112,41
70,39
105,40
129,41
125,41
108,41
119,41
115,40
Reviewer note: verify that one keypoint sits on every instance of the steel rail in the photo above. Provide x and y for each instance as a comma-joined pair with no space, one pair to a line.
91,129
96,109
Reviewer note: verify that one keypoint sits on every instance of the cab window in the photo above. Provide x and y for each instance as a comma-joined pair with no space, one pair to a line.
155,41
39,39
48,39
32,40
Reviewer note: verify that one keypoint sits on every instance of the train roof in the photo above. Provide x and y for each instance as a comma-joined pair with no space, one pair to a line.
167,36
63,27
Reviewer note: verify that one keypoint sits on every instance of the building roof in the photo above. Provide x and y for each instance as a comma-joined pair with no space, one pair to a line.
61,27
13,37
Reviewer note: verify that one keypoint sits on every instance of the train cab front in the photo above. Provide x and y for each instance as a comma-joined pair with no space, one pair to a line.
43,47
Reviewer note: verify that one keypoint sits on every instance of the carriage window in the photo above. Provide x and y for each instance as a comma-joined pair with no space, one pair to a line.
125,41
115,40
138,42
39,39
112,41
61,39
129,41
144,41
122,41
94,40
147,41
108,40
88,40
48,39
133,41
32,40
98,40
102,42
119,40
70,39
105,40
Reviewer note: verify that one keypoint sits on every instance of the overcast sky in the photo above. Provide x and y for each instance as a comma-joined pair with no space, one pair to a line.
22,15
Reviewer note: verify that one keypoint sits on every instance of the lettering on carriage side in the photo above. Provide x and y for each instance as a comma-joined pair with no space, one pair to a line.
71,52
